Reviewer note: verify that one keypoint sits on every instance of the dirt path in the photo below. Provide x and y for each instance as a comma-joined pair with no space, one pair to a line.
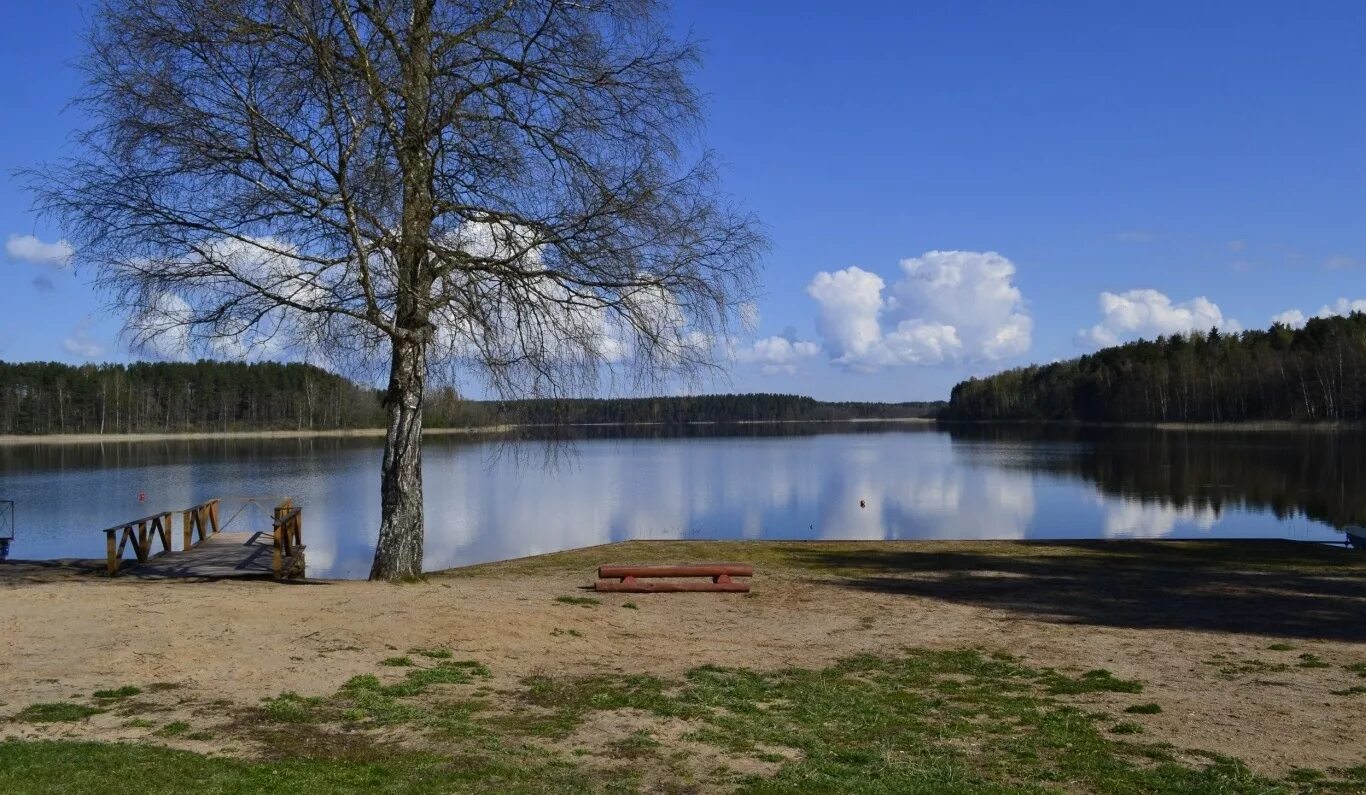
1222,688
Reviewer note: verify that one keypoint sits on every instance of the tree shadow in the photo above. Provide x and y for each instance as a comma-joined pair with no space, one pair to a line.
1274,588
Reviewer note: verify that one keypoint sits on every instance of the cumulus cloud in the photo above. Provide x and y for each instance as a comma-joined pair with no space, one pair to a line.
947,306
27,248
1149,313
1293,318
80,344
776,354
1342,307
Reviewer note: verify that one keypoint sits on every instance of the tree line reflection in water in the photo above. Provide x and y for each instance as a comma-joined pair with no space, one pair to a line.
538,490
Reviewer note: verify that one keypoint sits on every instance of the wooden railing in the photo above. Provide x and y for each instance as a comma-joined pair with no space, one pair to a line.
288,557
142,532
201,519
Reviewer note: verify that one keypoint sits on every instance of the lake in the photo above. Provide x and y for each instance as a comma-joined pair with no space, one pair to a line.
496,498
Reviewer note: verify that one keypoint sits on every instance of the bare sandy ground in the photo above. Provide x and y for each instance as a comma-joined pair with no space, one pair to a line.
1177,625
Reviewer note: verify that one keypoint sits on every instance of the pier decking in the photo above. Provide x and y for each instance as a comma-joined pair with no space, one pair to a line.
277,553
219,556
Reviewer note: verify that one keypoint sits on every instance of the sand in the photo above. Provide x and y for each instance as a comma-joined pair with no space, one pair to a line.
64,633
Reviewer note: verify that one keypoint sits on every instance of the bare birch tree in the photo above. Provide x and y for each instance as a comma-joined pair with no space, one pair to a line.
513,188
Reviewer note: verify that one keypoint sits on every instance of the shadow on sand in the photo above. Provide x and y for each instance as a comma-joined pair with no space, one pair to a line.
1274,588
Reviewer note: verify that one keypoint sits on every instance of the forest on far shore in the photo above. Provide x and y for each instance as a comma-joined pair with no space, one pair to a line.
1313,374
210,396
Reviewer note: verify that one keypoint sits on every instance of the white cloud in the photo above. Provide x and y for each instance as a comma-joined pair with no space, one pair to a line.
777,354
1342,307
949,305
80,344
1149,313
1293,318
1339,262
27,248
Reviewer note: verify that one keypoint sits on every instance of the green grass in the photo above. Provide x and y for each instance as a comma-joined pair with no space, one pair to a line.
1355,690
581,601
56,713
173,729
434,654
1233,668
953,722
1308,660
127,691
1280,647
1358,668
1144,709
397,662
1097,681
630,605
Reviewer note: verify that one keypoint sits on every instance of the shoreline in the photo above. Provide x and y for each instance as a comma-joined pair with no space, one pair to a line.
1274,426
16,440
1257,426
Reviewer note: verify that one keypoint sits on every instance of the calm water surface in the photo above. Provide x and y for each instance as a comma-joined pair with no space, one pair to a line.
491,499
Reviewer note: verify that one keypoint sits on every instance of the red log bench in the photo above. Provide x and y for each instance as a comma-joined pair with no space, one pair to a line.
634,579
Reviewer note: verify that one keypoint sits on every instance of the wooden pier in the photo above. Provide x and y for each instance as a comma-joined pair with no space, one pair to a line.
207,552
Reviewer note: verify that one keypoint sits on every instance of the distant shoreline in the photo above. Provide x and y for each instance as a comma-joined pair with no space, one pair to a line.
343,433
14,440
1255,425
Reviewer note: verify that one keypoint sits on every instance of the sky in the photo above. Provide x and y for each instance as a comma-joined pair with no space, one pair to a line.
949,188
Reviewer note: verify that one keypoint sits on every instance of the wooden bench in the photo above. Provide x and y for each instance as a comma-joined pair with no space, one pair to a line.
621,578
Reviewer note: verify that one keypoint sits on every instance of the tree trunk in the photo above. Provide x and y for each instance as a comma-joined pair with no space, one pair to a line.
398,554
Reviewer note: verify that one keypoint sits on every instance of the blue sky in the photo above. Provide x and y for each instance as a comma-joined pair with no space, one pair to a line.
982,184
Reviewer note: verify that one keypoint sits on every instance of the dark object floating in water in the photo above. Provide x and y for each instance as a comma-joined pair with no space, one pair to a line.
1356,536
631,576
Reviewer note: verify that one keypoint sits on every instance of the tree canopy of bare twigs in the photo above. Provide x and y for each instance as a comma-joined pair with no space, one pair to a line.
513,188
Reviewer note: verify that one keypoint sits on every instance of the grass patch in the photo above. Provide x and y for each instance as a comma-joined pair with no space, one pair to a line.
1096,681
630,606
1355,690
1358,668
397,662
138,723
1280,647
173,729
1308,660
127,691
580,601
56,713
290,708
434,654
635,746
1144,709
954,722
1235,668
573,633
